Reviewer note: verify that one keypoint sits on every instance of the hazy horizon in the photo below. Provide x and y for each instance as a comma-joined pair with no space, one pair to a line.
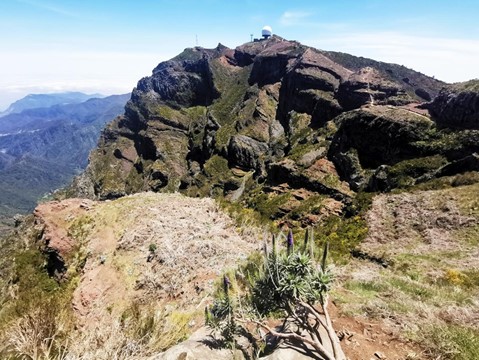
106,47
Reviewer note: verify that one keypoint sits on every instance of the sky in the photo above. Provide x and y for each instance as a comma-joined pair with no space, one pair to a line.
106,46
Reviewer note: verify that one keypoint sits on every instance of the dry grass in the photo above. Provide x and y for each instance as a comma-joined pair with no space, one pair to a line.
191,242
139,333
40,337
39,334
431,282
142,265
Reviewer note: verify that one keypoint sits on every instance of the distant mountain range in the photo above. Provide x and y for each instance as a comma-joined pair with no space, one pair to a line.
42,149
34,101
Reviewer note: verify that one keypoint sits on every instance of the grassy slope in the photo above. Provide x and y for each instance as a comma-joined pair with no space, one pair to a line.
431,286
144,306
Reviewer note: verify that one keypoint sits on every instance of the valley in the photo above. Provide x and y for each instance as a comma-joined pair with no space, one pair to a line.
43,148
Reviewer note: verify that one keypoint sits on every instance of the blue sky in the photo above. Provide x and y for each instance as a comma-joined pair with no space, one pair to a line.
107,46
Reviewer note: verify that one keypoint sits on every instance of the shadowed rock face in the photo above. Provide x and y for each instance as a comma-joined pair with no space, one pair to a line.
457,109
273,115
375,136
310,87
380,135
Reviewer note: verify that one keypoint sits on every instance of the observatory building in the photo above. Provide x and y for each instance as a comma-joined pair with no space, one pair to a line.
266,32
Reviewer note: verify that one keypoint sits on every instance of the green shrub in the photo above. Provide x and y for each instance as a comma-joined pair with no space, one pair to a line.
152,248
343,235
289,283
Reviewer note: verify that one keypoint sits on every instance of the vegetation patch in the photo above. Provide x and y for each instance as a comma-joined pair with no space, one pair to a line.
451,342
154,327
232,85
268,205
311,205
367,289
343,235
217,168
288,284
404,173
37,320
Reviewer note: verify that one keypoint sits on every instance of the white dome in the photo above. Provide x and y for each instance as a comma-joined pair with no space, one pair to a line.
267,31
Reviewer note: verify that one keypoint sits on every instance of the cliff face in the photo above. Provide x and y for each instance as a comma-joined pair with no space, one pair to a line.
457,107
266,119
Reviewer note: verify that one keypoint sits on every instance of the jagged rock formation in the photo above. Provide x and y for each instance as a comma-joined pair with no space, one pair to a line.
458,107
269,118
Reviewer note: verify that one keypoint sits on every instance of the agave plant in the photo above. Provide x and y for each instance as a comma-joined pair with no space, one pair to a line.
294,284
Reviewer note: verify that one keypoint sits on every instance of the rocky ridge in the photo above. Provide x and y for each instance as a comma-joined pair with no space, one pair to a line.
457,108
239,122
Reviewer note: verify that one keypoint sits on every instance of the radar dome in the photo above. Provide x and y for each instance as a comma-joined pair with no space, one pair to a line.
267,31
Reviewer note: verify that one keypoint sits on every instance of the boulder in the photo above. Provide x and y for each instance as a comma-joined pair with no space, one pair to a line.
456,109
247,153
199,346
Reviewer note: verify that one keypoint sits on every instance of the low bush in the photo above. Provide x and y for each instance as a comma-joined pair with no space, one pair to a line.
289,284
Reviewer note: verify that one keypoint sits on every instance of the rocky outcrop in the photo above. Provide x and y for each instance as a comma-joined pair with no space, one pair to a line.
247,153
57,241
466,164
380,135
310,88
229,122
457,109
320,177
367,86
374,136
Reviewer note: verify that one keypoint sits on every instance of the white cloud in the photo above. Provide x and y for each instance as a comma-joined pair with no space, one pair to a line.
448,59
291,18
25,72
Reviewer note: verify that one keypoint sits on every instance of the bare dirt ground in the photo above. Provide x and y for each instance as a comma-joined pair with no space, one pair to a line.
363,338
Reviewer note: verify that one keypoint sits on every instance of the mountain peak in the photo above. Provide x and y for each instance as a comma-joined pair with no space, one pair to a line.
208,114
